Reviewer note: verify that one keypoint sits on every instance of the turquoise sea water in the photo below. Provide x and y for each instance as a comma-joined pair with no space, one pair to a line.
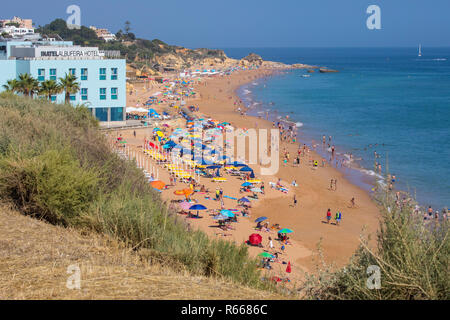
387,100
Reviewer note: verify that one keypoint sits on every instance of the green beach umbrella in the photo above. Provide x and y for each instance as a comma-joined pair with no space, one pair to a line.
265,255
285,230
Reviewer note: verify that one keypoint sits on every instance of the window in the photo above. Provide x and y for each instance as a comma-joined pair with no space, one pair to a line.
116,114
53,74
73,97
102,73
113,93
41,74
84,74
102,93
72,71
53,98
101,114
84,94
113,73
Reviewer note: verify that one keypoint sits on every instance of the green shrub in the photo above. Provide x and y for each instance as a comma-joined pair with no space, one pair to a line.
55,164
413,259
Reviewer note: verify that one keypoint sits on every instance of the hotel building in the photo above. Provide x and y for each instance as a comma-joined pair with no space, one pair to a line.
102,81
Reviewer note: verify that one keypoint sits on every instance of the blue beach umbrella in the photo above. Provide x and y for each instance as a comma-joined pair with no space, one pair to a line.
244,199
197,207
246,184
285,230
227,213
261,219
214,167
246,169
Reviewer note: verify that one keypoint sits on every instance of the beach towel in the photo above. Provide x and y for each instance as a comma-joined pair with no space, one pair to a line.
230,197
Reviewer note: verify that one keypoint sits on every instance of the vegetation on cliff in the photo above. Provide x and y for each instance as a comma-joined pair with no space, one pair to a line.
55,165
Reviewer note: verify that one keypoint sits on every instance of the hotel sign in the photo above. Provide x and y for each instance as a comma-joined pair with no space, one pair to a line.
68,52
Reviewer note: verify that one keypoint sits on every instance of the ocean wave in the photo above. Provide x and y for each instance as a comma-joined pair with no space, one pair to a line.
372,173
298,124
247,91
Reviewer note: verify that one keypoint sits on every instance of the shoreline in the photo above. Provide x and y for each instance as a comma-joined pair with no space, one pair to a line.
365,178
215,100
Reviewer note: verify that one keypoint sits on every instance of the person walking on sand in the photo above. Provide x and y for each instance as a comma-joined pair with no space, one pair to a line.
331,184
295,200
335,184
270,243
352,202
338,217
328,216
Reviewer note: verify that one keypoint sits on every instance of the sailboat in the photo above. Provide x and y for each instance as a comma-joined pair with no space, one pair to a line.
420,50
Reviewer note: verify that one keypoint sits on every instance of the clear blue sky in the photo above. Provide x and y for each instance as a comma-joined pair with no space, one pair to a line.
262,23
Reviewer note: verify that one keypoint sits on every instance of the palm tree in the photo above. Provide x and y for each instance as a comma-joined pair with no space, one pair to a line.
27,84
69,85
49,88
11,85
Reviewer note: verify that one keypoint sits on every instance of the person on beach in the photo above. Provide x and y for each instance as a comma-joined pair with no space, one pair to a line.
270,243
331,184
295,200
338,217
328,215
352,202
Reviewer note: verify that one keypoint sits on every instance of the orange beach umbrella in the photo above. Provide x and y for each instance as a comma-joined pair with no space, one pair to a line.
184,192
157,184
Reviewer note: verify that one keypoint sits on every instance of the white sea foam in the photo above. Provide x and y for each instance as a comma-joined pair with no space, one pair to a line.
372,173
298,124
246,91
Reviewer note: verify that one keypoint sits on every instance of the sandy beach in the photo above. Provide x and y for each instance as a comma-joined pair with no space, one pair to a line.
215,99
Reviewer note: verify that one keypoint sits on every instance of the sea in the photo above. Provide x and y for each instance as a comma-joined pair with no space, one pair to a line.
384,100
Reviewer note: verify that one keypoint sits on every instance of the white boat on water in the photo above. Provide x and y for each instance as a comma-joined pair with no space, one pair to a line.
420,50
306,75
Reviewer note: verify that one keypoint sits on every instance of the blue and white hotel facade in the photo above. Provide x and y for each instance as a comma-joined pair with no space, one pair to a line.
102,81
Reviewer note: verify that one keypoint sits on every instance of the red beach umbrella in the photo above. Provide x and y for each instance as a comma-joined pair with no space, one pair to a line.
255,239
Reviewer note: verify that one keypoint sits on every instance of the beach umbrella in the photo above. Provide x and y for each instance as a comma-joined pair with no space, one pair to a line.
244,199
246,169
157,184
261,219
255,239
237,164
285,230
197,207
265,255
258,190
214,167
185,205
246,184
184,192
227,213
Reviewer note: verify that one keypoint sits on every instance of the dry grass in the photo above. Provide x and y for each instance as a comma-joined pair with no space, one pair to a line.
34,257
